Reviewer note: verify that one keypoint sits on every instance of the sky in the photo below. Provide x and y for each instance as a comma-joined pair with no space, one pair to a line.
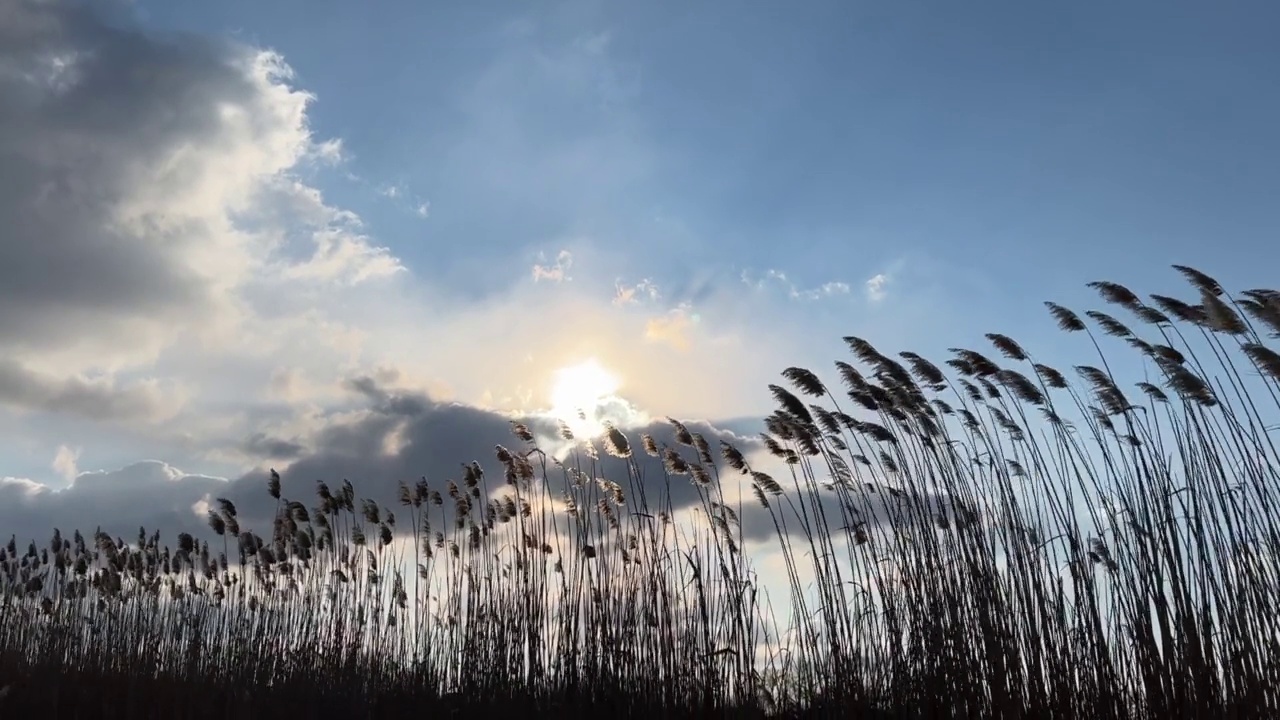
342,239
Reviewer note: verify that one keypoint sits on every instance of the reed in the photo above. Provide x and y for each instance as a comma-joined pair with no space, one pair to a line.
1000,539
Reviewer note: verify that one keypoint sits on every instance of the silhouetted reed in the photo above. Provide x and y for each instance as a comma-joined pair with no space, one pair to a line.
995,542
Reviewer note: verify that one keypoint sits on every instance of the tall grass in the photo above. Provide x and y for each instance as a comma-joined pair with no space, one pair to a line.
1000,541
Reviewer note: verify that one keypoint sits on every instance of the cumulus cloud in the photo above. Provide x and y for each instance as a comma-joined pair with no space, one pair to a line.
343,254
147,494
260,445
165,266
877,287
133,169
396,436
399,436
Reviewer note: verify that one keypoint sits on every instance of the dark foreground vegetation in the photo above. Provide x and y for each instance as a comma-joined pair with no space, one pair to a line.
994,541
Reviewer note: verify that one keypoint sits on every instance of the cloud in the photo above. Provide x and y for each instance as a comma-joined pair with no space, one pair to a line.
824,290
145,182
64,462
147,494
217,306
876,287
778,277
392,436
396,436
328,152
344,256
94,398
672,328
628,294
400,195
261,446
557,272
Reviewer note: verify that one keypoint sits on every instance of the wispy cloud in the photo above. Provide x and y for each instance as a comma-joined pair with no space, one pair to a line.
329,152
555,272
401,196
631,294
830,289
672,328
777,277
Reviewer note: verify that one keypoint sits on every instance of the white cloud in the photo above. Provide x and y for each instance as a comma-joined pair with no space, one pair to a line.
629,294
876,287
329,152
778,277
64,462
162,253
556,272
825,290
402,197
181,193
232,300
344,256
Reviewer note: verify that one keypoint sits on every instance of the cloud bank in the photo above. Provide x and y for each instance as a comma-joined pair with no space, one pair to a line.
178,287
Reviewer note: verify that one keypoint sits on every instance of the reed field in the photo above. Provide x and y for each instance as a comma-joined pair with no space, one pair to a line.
985,537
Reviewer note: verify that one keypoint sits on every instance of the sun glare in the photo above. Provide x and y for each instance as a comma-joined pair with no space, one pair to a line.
581,388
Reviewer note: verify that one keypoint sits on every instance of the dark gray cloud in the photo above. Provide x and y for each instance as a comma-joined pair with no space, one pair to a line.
145,494
88,113
434,440
22,387
402,436
262,445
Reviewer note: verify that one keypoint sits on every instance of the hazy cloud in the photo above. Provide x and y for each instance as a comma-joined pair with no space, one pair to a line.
402,197
64,462
632,294
555,272
673,328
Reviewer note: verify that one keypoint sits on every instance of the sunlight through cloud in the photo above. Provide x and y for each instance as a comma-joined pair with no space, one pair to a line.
579,393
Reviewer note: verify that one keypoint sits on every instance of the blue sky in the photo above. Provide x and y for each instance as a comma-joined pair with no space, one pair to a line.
993,154
989,137
729,189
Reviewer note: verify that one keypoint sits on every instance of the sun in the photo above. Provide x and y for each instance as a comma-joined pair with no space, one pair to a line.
578,390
